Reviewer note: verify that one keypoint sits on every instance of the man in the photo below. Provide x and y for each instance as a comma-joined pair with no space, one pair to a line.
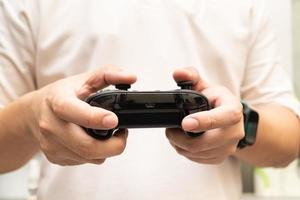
54,54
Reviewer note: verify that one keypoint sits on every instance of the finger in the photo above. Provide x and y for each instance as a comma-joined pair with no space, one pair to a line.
113,77
57,153
79,142
219,117
187,154
102,78
219,95
190,74
79,112
222,151
90,148
178,138
208,141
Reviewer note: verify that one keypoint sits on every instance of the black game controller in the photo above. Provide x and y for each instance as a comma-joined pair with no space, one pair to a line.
148,109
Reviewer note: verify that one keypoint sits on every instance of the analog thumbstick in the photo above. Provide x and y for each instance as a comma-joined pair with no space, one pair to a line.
123,86
185,85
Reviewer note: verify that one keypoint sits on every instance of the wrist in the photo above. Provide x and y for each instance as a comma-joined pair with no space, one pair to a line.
17,144
27,109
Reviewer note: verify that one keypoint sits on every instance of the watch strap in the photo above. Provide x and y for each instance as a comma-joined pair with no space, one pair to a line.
251,119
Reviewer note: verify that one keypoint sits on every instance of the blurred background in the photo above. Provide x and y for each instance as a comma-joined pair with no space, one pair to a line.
258,183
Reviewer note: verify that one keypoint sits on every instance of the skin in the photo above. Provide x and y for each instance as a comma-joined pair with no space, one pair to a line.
277,136
49,120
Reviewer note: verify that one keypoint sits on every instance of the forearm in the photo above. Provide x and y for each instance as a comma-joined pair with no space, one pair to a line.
277,141
17,144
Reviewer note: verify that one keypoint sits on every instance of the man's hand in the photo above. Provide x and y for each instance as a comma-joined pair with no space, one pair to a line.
59,111
223,125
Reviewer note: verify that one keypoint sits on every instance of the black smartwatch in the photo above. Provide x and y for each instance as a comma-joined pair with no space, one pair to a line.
251,119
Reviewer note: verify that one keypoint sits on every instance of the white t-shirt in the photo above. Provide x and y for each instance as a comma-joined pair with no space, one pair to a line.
230,42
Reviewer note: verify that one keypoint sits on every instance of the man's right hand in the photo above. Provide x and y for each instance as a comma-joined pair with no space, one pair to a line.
58,111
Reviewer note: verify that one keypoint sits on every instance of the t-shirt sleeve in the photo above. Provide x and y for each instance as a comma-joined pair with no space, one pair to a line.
266,81
17,50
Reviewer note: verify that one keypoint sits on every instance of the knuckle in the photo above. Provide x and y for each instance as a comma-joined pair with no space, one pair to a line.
236,115
208,123
48,100
59,106
45,146
44,126
91,118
